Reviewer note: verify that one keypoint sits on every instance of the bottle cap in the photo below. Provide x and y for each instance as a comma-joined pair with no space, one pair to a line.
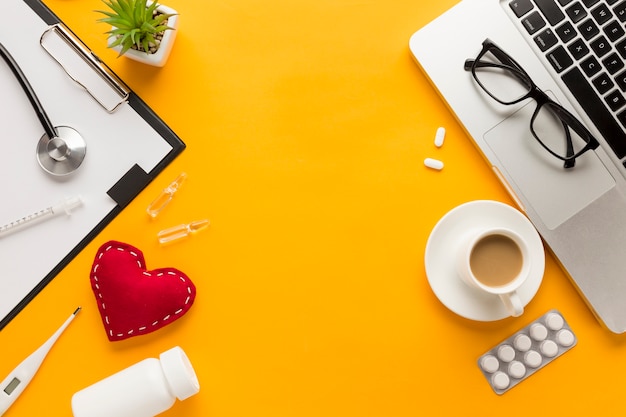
179,373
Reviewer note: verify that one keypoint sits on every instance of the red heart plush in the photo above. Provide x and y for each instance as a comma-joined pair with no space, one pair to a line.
133,301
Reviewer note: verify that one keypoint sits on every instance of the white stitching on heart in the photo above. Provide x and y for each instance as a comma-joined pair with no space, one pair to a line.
146,273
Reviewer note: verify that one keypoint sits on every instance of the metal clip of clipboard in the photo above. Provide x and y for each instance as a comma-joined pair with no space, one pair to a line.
84,68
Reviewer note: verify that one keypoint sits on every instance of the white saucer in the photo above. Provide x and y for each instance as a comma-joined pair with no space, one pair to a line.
443,245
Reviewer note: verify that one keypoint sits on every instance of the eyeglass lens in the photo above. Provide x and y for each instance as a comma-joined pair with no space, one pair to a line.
508,84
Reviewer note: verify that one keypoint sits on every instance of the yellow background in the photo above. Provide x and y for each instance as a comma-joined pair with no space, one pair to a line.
307,123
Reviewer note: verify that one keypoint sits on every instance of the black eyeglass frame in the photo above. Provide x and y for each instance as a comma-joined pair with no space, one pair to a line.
541,98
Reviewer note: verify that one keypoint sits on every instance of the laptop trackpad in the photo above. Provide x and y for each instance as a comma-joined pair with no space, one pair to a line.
555,193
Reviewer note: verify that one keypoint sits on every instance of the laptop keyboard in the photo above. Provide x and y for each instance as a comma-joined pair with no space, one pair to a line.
585,42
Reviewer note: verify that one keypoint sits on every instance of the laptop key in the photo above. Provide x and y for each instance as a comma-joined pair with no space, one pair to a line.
615,100
590,3
613,63
622,118
546,39
602,14
601,46
521,7
560,59
566,32
578,49
588,29
621,81
551,11
614,31
591,66
621,48
603,83
596,110
533,22
576,12
620,11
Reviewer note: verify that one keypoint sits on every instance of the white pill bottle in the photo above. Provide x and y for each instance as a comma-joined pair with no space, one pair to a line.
144,389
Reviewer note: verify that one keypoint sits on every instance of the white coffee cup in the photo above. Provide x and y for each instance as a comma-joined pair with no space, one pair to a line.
496,261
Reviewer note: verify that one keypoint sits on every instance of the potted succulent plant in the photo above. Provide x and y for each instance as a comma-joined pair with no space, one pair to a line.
141,30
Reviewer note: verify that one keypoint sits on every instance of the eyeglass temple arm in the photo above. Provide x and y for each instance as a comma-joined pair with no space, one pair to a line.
569,152
472,63
469,63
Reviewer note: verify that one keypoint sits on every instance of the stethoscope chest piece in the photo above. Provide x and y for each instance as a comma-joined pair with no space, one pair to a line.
62,154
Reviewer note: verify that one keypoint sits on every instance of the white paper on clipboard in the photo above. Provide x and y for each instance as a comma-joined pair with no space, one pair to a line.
127,146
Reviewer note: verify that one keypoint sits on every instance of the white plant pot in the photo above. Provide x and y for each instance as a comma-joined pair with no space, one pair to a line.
158,58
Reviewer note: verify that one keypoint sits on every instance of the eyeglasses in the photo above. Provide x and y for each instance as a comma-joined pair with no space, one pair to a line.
556,129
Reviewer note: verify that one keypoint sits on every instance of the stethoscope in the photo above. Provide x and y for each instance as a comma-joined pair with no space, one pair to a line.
61,149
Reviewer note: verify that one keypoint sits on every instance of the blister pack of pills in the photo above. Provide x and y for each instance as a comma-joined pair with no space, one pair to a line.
525,352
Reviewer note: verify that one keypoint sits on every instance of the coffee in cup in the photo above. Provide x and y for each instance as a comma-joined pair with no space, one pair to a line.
496,261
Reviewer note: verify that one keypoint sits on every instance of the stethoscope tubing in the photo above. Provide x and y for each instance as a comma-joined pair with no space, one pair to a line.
30,93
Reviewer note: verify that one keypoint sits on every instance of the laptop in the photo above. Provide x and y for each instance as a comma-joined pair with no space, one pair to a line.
574,50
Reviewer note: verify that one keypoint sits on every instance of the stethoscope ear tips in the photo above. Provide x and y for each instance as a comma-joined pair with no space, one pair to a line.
63,154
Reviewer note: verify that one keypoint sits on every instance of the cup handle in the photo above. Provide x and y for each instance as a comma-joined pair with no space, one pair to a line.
513,303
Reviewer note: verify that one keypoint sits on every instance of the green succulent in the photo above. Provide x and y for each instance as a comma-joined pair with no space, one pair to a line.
134,23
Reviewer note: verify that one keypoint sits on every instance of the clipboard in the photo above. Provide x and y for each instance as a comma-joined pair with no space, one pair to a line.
128,144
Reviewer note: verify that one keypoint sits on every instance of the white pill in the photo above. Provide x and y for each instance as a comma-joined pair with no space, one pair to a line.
554,321
533,359
490,364
549,348
506,353
565,338
517,369
440,136
433,163
500,380
522,342
538,332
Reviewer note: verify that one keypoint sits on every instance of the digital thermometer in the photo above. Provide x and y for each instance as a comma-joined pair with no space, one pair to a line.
18,379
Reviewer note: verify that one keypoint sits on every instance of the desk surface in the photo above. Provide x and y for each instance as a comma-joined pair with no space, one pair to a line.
307,124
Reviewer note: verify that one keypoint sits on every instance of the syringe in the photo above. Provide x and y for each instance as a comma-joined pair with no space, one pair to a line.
64,206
